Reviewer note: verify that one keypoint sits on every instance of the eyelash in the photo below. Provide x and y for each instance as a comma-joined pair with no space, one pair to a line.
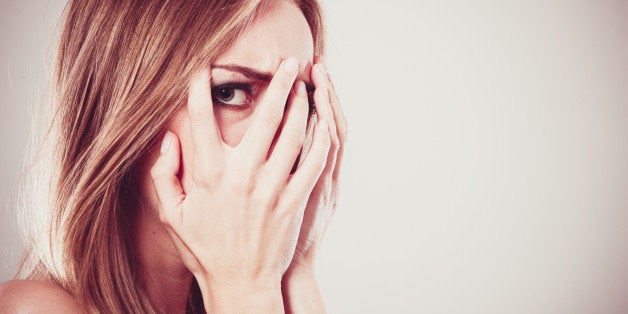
247,88
250,90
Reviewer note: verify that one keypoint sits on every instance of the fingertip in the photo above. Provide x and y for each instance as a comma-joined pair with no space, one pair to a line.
168,160
321,103
300,88
201,76
164,172
319,74
166,142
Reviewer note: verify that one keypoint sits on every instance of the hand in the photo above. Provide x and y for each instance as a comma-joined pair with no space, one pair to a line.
237,226
321,204
300,289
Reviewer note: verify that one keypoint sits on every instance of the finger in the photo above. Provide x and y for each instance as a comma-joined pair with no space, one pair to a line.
185,253
309,134
322,101
339,118
321,94
164,176
320,59
203,127
292,134
324,109
341,129
303,180
269,113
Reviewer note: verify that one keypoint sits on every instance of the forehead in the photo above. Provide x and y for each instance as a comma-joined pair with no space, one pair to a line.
281,31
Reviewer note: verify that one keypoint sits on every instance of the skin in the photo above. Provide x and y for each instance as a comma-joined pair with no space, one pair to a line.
222,180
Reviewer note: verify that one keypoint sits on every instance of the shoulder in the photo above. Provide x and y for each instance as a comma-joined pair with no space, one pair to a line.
31,296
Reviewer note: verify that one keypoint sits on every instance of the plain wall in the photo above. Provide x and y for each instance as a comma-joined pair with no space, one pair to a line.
26,29
487,166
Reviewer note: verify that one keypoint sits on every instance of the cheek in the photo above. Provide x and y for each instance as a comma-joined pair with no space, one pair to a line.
233,124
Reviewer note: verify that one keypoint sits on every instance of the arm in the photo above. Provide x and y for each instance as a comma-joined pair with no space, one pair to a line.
241,298
301,293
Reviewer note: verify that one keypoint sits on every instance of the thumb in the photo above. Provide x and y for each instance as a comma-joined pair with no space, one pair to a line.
164,176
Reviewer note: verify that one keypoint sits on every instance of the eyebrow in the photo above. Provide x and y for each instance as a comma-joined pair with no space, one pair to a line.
255,74
246,71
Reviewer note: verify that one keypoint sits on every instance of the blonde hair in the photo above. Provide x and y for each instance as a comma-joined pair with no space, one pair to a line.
122,71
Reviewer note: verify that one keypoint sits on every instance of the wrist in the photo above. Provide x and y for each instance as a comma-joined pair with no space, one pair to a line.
241,296
301,293
303,261
299,271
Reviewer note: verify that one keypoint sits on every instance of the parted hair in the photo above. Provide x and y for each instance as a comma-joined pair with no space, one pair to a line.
122,70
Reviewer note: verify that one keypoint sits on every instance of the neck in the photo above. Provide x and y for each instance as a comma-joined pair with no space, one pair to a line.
164,277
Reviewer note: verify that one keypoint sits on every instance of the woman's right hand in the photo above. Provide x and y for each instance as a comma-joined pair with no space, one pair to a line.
237,226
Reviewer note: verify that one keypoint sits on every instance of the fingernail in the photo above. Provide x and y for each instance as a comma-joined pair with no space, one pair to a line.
301,88
290,65
165,144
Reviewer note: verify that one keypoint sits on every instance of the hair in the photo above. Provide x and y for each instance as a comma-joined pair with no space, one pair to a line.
122,70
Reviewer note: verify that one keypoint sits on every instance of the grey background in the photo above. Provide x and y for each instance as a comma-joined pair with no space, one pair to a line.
487,168
26,29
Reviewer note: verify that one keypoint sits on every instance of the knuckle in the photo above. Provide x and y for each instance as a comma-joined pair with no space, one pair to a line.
270,118
325,138
288,212
334,149
335,140
343,132
296,142
287,207
263,198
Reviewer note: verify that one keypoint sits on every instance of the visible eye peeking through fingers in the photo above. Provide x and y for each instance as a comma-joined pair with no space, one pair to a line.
241,96
236,96
223,215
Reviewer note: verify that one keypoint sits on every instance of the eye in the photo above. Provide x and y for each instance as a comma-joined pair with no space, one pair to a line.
232,95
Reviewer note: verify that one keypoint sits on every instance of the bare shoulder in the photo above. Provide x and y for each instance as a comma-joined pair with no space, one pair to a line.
31,296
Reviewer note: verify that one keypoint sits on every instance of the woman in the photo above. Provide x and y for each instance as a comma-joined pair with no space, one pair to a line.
185,176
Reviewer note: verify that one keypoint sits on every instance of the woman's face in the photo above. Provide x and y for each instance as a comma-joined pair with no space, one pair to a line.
241,75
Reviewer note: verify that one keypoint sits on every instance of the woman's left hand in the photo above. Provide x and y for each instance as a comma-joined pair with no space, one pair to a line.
321,204
300,289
